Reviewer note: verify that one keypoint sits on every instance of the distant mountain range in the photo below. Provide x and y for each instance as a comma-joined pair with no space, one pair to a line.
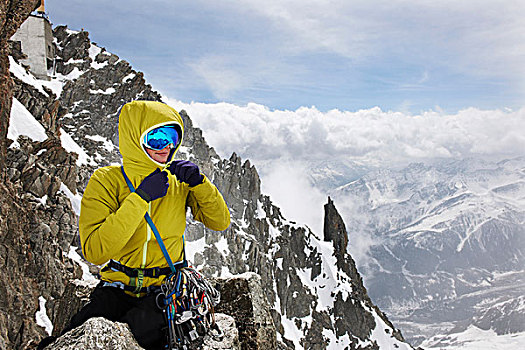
445,244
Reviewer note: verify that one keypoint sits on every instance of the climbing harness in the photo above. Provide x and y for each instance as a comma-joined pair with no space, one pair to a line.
152,272
186,298
136,276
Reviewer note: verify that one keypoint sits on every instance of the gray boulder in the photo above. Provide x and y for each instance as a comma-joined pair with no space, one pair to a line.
97,333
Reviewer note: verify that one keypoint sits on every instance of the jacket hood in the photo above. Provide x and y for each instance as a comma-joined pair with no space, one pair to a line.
135,119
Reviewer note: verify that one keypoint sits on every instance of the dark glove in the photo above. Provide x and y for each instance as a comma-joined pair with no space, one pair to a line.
186,171
154,186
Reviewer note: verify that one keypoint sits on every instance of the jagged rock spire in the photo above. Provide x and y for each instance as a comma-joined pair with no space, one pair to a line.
335,231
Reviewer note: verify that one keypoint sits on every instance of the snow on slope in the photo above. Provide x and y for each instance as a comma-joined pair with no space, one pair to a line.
474,338
21,122
28,78
71,146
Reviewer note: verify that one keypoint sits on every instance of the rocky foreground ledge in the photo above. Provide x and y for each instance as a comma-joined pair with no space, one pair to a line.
98,333
243,315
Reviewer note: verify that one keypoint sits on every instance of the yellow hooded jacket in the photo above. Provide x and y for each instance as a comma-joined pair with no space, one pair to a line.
112,223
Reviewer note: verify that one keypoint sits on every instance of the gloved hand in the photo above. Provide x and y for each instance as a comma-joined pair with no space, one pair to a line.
186,171
154,186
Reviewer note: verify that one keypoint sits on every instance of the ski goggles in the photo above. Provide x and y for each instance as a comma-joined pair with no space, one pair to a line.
161,137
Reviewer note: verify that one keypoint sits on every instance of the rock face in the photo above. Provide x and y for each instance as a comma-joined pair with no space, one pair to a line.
244,299
315,296
38,225
97,84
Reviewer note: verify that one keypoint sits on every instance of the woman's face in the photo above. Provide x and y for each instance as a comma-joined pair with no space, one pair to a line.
159,156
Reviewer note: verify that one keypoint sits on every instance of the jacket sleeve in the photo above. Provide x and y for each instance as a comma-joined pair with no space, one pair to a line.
105,226
208,206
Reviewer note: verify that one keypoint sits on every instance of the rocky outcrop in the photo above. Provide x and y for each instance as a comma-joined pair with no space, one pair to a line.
243,316
355,315
37,227
99,333
74,297
244,299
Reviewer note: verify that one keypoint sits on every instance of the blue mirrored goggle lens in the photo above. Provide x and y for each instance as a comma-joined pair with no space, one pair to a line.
161,137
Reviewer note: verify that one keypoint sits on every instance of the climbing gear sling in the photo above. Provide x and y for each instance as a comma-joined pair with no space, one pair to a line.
186,297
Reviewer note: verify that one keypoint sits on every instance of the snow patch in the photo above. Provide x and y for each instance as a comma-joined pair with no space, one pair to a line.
108,145
74,74
382,335
27,78
41,316
72,32
291,332
192,247
73,61
54,85
42,200
87,278
222,246
261,214
279,263
334,342
96,65
94,51
71,146
108,91
22,122
474,338
74,198
128,77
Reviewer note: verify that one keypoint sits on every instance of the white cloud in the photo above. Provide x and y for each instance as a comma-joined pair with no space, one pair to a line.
371,136
290,188
288,147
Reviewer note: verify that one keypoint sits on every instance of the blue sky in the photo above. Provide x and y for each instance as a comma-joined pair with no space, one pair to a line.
407,56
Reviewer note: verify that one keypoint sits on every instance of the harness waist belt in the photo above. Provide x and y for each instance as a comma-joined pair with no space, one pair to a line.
134,272
120,285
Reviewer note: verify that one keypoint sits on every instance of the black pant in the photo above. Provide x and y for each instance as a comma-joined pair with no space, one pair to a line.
144,318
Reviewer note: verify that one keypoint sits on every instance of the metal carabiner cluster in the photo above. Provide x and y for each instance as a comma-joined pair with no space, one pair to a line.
187,301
